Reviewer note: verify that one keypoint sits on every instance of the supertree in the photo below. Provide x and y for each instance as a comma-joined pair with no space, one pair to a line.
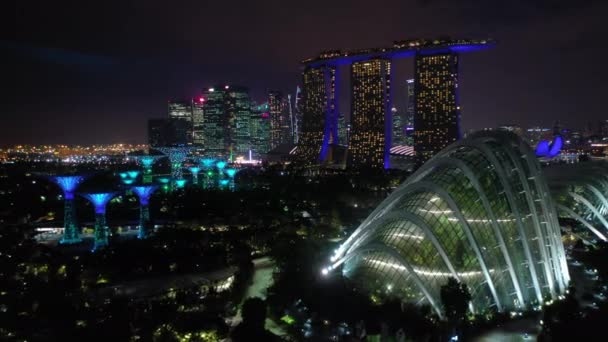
128,177
100,201
180,183
220,171
194,170
176,155
146,161
68,184
207,164
144,192
231,173
164,181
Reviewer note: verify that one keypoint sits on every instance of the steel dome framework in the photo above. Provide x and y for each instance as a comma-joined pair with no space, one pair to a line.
480,211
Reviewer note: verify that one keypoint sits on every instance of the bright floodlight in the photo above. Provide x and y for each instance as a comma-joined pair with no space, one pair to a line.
99,201
144,192
68,184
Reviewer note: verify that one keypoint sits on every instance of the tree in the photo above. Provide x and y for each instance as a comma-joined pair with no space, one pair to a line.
455,297
254,319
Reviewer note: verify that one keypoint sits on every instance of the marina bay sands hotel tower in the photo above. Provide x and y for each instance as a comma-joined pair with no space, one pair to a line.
437,111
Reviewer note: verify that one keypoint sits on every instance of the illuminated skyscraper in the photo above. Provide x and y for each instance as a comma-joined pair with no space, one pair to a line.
227,113
297,114
280,118
319,104
180,115
213,127
343,129
259,129
437,117
409,115
398,137
370,139
239,110
198,123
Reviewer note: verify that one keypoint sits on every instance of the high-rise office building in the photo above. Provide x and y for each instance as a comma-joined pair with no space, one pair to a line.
319,98
198,123
409,114
182,110
280,118
343,130
226,120
168,132
398,137
214,122
259,129
239,110
297,110
369,144
437,116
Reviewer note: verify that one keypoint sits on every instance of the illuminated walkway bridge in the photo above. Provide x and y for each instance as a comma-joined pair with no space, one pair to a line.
480,212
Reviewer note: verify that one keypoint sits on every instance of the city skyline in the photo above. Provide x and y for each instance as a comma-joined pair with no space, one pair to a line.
118,70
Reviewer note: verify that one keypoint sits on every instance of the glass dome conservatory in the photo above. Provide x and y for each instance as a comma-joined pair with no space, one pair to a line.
480,211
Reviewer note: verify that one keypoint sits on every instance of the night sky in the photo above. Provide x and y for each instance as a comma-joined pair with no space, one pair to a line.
83,72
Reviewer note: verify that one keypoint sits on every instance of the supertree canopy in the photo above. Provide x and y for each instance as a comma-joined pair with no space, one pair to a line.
144,192
207,163
146,161
479,211
194,170
177,155
100,201
231,173
68,184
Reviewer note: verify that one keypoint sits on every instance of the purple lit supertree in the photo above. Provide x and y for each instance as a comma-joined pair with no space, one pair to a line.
144,192
71,233
100,201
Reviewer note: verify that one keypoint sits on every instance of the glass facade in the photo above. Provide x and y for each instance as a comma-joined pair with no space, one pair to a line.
437,113
579,190
480,211
318,103
371,121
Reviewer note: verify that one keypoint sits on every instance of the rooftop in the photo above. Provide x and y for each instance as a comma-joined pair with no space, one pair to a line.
400,49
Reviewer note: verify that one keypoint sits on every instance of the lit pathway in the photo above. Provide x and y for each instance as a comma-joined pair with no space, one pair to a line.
262,280
513,331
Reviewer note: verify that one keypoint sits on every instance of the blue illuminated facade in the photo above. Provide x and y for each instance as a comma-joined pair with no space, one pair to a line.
144,193
71,231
